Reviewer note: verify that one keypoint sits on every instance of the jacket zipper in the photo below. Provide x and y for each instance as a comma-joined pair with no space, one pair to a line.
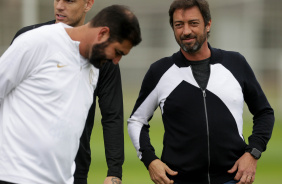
208,133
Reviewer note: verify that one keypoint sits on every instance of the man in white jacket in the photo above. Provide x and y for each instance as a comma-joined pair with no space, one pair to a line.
47,79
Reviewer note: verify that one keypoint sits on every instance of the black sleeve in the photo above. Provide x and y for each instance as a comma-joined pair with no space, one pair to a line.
259,107
111,106
263,114
83,157
109,92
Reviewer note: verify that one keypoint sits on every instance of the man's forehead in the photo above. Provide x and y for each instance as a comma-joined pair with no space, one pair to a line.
75,0
192,13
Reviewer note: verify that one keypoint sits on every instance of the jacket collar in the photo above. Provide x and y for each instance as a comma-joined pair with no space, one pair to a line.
179,59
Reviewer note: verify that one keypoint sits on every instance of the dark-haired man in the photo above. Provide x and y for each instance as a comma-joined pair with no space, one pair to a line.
109,92
201,92
47,81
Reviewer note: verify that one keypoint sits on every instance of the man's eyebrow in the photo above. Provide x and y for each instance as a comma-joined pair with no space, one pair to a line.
192,20
177,21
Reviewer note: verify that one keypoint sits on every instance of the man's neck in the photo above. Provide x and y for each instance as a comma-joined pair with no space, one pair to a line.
75,34
77,24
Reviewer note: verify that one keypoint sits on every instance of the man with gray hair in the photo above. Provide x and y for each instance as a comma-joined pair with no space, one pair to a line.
201,92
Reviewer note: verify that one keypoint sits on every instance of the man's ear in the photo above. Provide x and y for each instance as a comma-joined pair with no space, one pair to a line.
208,26
103,34
88,5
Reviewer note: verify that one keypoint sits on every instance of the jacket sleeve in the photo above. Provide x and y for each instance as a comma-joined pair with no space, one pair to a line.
109,92
263,114
138,126
15,65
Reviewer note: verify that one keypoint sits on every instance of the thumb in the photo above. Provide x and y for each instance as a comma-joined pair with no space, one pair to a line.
233,169
170,172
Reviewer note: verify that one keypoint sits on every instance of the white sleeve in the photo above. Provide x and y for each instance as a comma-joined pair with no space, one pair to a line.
15,65
143,111
140,118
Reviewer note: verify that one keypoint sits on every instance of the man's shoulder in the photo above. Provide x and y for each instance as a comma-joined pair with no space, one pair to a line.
167,59
223,56
166,62
225,52
28,28
40,24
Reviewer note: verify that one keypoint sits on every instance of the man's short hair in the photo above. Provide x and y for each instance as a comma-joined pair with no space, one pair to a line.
123,24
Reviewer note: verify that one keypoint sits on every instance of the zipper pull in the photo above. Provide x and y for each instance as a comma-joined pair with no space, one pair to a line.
204,93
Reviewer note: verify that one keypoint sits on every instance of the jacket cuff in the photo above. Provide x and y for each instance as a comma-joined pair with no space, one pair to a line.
255,145
115,172
147,157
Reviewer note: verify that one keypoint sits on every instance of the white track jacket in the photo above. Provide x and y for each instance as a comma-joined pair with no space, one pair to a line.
46,90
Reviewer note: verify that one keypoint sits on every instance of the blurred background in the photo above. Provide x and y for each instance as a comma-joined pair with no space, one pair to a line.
251,27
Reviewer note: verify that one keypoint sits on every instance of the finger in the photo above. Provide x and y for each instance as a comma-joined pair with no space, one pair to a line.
161,179
243,179
171,172
166,180
249,180
158,181
238,176
233,169
253,178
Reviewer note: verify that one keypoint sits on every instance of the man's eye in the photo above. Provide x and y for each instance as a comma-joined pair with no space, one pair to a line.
194,23
177,25
118,53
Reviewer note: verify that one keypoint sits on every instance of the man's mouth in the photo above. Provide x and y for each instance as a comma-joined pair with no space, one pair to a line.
188,40
60,17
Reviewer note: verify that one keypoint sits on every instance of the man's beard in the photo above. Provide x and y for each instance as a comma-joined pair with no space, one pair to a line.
193,48
98,57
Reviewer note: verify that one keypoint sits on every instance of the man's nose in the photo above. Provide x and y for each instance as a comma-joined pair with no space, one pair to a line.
60,5
186,29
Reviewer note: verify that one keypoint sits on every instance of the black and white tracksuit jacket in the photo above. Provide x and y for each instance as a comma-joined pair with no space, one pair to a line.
203,128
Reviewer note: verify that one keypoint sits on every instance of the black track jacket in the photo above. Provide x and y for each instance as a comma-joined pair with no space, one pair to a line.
203,128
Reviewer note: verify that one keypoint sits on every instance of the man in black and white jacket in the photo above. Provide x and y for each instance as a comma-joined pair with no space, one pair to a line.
201,93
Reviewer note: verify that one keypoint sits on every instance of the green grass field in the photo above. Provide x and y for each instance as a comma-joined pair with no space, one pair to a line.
269,170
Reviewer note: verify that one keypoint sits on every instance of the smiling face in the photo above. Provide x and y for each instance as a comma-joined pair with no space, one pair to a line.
189,29
109,52
72,12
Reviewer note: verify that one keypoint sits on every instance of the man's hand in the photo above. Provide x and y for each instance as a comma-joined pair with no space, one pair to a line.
112,180
246,169
158,170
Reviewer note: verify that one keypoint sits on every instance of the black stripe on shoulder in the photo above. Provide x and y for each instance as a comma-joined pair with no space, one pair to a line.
151,79
28,28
